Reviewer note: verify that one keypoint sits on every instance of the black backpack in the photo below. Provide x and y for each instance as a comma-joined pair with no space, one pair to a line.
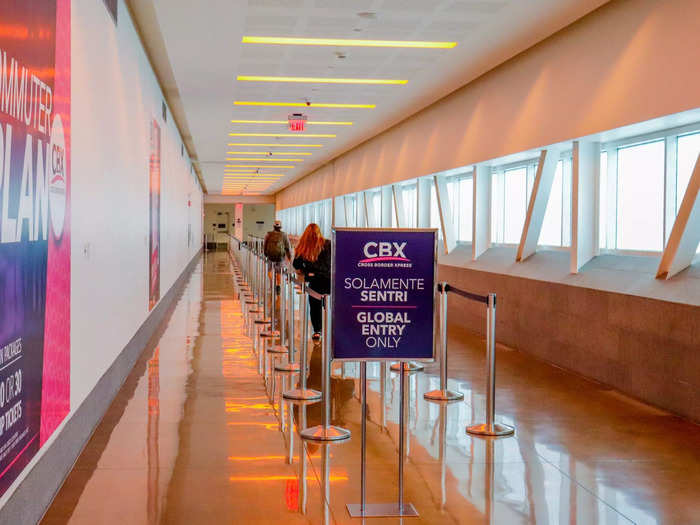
275,248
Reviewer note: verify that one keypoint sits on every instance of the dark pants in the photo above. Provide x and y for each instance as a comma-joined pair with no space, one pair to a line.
316,313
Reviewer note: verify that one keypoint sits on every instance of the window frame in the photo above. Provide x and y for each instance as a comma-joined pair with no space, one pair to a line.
670,176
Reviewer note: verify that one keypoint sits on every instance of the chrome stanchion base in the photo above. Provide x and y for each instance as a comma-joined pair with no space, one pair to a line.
302,395
443,395
321,433
381,510
496,429
408,366
277,349
292,368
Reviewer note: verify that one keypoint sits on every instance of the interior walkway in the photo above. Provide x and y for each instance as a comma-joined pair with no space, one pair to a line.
193,437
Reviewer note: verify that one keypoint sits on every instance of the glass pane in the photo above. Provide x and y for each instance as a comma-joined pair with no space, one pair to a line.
688,150
434,211
497,211
464,198
551,232
514,204
640,196
603,201
409,205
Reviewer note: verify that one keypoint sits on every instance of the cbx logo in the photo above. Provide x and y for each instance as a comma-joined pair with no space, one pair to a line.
384,251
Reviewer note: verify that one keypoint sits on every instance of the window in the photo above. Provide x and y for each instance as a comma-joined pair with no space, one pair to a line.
374,208
434,210
410,196
510,193
556,226
603,201
460,191
350,210
640,197
688,150
514,204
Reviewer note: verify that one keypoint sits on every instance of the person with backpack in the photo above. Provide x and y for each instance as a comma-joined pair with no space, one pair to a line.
313,260
277,249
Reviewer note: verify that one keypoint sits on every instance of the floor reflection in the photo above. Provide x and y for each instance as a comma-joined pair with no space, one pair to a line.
197,436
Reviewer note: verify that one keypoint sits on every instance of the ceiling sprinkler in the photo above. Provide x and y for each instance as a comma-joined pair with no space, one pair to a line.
297,122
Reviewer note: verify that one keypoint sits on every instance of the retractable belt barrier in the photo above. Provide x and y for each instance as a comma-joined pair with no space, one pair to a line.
490,428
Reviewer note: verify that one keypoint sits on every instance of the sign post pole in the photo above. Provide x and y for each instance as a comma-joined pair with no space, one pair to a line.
383,290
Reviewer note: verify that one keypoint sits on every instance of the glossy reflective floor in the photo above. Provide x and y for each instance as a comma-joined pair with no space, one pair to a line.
194,437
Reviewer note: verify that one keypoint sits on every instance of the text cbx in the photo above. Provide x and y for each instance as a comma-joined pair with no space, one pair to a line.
384,249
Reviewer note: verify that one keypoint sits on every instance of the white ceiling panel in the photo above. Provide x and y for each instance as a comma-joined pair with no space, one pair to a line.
205,55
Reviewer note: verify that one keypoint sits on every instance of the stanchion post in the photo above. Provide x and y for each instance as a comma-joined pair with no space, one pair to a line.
326,431
491,428
443,394
302,393
363,464
290,365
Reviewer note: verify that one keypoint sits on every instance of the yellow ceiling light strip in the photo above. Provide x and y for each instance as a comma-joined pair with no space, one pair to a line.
264,160
346,42
295,135
304,104
317,122
259,166
248,144
268,153
321,80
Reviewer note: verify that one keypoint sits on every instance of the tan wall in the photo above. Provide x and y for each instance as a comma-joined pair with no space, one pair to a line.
643,347
627,62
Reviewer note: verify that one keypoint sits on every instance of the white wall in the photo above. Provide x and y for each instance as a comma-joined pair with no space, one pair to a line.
114,97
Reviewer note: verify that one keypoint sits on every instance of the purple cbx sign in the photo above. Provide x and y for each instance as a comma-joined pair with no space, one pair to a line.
383,294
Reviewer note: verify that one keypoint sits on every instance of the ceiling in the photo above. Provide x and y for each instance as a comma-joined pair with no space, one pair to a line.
197,51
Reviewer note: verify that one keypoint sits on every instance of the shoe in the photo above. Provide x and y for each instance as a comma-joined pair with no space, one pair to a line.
316,336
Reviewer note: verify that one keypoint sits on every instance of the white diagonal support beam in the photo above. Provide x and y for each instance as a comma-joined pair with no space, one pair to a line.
537,207
443,200
585,168
481,211
399,209
685,234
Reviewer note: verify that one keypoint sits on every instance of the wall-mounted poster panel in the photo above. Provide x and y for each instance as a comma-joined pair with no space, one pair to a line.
383,294
154,217
34,227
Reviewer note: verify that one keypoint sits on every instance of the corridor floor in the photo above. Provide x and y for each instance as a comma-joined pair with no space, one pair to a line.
194,437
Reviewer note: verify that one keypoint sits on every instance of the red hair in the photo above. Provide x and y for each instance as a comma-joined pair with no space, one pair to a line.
310,244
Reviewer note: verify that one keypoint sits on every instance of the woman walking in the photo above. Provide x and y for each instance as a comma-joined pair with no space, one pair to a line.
313,260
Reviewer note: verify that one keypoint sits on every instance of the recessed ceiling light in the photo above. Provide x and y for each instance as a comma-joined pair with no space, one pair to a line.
318,122
346,42
305,153
320,80
305,104
276,145
295,135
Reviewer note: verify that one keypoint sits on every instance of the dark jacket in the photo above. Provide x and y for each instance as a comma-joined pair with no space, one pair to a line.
318,273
